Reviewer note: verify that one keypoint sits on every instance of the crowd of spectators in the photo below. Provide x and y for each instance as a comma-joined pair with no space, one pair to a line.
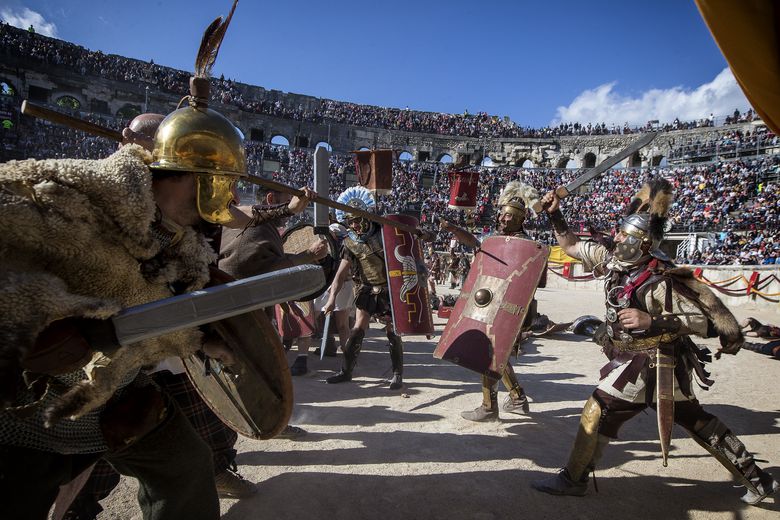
58,53
728,199
728,144
731,200
730,248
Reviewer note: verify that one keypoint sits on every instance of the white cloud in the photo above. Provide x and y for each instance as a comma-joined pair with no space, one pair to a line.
26,18
603,104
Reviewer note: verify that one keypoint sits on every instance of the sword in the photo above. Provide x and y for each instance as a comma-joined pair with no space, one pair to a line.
321,185
324,342
664,390
609,162
154,319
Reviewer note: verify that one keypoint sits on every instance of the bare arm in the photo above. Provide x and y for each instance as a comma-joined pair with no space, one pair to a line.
338,282
566,239
460,234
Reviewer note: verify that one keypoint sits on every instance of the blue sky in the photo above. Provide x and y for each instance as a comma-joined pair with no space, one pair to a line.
539,62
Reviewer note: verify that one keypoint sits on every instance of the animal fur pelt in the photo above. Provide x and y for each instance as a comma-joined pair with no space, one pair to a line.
76,242
723,321
655,197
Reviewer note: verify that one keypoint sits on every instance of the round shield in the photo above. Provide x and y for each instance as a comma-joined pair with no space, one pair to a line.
254,395
299,238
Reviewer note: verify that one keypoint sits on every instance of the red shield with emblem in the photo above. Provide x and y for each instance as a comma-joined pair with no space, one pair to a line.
491,308
407,279
295,320
463,190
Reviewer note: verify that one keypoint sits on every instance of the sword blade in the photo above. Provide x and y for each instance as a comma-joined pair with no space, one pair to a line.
321,186
154,319
324,342
606,164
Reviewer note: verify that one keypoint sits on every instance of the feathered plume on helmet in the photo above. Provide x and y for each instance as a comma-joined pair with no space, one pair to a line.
518,195
357,197
207,56
651,203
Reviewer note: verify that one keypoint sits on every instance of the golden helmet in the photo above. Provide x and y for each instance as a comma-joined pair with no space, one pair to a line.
199,140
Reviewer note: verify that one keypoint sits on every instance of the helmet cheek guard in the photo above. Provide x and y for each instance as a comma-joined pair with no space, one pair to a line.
215,196
361,225
630,250
517,214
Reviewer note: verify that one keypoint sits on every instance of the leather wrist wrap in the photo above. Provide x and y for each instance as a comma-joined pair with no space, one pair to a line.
261,214
558,222
663,324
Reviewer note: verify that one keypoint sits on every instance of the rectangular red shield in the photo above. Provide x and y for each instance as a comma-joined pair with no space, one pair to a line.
407,279
491,308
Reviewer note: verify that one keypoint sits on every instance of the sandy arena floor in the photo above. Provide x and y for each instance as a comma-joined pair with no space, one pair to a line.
372,453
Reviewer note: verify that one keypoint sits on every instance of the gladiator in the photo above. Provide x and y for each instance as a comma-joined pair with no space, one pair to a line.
652,310
513,203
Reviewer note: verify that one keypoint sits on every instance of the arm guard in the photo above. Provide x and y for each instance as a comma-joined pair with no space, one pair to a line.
261,214
664,324
558,222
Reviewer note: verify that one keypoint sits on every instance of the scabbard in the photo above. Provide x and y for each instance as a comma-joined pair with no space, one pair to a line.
664,388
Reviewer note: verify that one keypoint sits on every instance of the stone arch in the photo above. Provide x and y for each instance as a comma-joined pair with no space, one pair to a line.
562,162
659,161
444,158
635,161
487,161
7,88
128,111
68,102
280,140
528,163
405,156
324,144
589,161
571,164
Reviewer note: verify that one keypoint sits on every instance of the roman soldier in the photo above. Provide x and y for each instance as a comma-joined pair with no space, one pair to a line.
363,258
513,202
652,309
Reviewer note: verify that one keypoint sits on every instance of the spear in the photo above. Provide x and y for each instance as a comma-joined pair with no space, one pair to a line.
31,109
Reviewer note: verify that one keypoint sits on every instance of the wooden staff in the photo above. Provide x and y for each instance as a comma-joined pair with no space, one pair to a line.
38,111
284,188
31,109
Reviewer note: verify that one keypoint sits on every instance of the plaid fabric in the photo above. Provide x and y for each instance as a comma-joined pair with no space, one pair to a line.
219,437
212,430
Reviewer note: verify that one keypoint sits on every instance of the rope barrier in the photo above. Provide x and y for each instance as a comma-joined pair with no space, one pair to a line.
584,278
749,289
721,286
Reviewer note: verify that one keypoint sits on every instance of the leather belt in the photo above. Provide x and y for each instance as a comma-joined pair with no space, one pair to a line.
643,343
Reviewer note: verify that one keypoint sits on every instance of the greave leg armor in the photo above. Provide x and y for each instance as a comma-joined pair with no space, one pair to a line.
716,438
351,351
588,447
589,444
397,359
516,401
488,410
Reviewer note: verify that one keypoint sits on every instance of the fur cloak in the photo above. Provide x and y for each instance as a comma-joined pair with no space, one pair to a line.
76,242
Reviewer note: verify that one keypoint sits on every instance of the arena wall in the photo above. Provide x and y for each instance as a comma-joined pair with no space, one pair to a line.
732,278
